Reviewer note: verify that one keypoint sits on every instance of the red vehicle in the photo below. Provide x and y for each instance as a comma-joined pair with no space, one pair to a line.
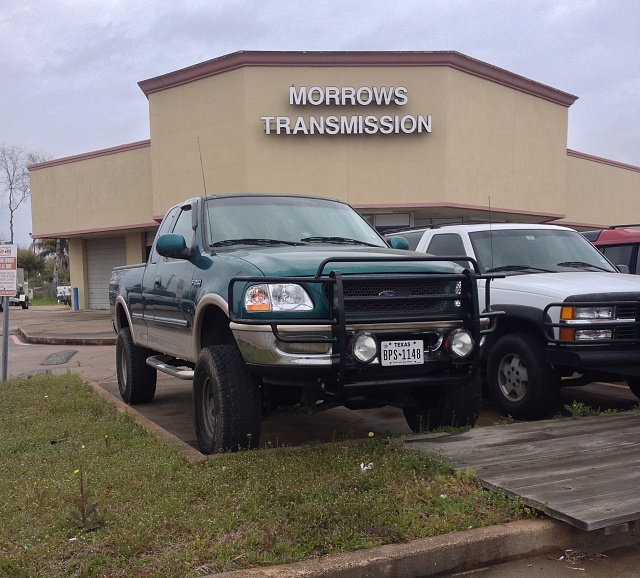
620,244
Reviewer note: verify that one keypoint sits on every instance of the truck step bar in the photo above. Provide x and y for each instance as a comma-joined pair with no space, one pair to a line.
165,363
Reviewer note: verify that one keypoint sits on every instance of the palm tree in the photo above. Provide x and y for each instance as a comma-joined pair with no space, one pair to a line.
59,250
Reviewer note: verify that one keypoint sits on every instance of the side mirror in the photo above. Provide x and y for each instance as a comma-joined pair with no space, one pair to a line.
398,242
623,268
172,246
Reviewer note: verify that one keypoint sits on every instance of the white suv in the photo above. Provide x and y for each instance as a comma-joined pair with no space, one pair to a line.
570,316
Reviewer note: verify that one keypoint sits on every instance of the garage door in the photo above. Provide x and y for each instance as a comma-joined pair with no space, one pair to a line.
102,256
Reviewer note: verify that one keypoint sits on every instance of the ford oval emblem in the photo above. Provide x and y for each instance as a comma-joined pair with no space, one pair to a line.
388,293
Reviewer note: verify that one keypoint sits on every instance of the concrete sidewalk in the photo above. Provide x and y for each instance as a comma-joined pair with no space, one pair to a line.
63,326
437,556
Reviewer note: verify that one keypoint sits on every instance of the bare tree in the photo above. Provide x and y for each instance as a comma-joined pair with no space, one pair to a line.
14,178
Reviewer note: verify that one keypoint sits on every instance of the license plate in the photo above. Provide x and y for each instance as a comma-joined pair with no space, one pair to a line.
401,352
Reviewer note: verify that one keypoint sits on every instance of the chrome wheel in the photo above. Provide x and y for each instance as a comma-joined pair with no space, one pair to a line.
513,377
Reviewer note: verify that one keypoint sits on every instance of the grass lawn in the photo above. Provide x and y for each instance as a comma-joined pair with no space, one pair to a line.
43,300
87,492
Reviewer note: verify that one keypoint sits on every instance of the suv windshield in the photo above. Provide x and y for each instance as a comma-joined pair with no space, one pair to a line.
518,251
272,220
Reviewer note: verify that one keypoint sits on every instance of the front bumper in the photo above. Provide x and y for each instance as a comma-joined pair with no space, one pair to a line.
293,360
617,354
259,344
618,362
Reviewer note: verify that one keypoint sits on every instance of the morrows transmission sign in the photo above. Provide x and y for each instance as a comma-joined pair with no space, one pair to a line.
348,98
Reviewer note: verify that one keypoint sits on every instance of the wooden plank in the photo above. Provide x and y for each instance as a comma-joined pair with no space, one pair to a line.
583,471
487,438
548,448
535,473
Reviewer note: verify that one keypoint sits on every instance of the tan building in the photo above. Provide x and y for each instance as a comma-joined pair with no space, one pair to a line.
407,138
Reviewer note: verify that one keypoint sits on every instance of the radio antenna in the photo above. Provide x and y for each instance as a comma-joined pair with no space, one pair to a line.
490,231
204,182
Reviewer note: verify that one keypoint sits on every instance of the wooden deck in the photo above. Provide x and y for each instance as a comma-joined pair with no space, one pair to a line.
582,471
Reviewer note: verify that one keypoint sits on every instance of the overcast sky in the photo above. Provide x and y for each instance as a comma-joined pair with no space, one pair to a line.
69,68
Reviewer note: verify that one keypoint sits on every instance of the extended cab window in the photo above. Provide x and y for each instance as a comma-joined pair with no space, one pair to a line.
447,244
619,255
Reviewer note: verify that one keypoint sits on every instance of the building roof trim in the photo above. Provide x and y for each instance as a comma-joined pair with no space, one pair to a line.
616,164
452,59
101,232
91,155
458,206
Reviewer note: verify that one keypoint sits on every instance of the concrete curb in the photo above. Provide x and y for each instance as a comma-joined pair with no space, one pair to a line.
66,340
456,552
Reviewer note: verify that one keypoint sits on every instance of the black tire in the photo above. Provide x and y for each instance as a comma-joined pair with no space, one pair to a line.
634,385
136,379
521,382
445,406
226,401
25,305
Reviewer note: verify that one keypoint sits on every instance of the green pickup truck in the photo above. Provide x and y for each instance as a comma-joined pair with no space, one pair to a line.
275,301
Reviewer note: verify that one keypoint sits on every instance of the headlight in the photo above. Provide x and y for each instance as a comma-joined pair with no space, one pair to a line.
585,315
277,297
364,347
593,334
459,343
591,312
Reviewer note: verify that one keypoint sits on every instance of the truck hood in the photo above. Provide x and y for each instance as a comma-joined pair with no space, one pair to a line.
559,286
303,261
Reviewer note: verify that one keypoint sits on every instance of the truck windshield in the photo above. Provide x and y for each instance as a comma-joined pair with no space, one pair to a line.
270,220
518,251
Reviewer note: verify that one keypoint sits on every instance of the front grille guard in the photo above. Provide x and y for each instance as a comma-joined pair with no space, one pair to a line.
338,318
613,324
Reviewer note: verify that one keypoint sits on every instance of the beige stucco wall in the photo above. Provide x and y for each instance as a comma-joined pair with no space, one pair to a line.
78,270
100,193
601,193
135,247
204,117
487,140
503,146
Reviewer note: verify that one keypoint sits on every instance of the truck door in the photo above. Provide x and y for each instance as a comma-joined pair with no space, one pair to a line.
169,294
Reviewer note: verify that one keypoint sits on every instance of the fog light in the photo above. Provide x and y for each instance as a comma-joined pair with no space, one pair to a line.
593,334
459,343
364,347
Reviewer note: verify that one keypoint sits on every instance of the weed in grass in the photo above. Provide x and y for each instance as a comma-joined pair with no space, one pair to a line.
86,516
577,409
505,421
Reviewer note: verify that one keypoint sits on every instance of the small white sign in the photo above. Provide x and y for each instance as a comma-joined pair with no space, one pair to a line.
8,270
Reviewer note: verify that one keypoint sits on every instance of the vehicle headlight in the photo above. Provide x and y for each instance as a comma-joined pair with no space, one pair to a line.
459,343
364,347
277,297
585,314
